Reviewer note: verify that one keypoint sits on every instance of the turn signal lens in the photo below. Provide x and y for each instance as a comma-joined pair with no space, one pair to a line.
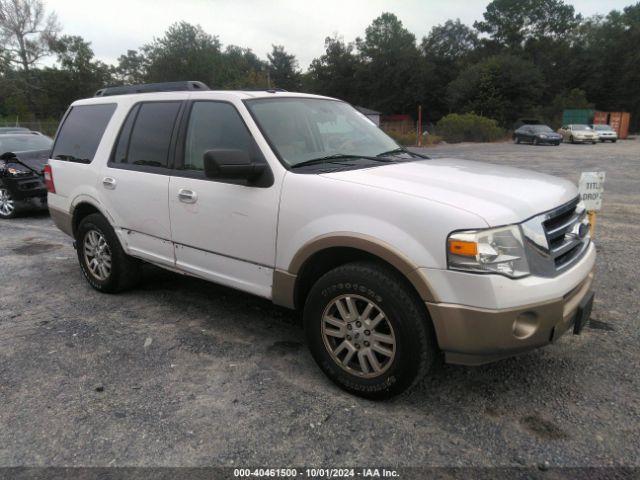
467,249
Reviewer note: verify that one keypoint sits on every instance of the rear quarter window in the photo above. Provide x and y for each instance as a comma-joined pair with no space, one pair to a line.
81,132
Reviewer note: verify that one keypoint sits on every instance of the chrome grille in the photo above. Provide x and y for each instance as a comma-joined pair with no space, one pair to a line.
566,230
557,239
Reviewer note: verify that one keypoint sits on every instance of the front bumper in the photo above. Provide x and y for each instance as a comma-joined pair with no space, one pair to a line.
482,318
557,139
24,187
585,139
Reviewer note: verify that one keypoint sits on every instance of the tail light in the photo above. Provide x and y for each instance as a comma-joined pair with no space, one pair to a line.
48,179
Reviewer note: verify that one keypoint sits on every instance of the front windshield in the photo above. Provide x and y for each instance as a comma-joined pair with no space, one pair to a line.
24,143
302,129
581,127
603,127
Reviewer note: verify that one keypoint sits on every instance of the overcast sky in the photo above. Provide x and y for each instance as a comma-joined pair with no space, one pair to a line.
114,26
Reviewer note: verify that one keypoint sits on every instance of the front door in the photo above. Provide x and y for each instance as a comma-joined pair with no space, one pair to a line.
224,231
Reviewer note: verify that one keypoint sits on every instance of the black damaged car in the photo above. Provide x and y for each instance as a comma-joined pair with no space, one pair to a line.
536,134
22,160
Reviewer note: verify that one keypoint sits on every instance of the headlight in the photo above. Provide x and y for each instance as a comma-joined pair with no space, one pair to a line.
543,136
495,250
16,171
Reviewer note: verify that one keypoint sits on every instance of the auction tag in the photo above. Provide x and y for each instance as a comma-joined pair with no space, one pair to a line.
591,188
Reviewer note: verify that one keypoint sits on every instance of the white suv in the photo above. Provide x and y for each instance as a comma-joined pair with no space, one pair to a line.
392,257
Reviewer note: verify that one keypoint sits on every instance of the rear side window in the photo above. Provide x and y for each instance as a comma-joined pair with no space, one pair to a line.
81,132
146,135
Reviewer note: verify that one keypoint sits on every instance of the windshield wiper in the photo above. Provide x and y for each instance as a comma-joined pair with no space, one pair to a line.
338,156
395,150
401,150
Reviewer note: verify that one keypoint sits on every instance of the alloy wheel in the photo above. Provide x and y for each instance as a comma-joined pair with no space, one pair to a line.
97,254
358,336
7,205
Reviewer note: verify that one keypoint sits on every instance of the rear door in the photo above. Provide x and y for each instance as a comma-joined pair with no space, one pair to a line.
135,181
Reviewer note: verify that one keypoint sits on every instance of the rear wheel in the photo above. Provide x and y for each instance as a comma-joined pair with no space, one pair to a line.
516,139
7,204
102,260
571,139
368,331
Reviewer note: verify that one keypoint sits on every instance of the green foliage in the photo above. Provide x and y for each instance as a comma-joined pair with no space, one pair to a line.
504,87
391,70
333,73
185,52
512,23
452,41
469,127
283,69
525,58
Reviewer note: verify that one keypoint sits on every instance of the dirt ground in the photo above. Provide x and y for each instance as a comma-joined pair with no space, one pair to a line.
180,372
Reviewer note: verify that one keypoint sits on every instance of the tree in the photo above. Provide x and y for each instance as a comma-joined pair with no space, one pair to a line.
391,66
241,68
131,68
26,31
283,69
335,72
446,50
185,52
512,23
502,87
79,75
452,41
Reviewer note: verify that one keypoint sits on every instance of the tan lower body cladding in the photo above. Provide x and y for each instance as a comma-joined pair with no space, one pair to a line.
473,336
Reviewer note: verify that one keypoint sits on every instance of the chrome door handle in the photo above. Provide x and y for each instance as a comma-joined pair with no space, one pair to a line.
187,196
109,183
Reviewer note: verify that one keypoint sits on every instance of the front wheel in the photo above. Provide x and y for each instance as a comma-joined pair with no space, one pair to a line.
102,260
368,331
7,204
571,139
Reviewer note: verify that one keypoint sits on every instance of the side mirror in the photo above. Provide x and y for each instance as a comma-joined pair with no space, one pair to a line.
8,156
231,164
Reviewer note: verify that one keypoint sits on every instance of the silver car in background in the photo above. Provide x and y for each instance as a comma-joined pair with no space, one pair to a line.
605,132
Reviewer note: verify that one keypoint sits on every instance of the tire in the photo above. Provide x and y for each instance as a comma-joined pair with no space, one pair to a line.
8,206
557,144
405,320
613,141
593,143
122,271
536,141
517,140
571,139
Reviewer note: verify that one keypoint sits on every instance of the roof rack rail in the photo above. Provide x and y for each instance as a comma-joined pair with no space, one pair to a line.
189,85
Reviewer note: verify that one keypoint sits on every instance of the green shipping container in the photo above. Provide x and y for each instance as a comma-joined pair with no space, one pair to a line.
578,116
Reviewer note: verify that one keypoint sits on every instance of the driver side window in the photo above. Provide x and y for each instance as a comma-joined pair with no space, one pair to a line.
213,125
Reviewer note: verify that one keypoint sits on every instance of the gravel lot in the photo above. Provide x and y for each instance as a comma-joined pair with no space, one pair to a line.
180,372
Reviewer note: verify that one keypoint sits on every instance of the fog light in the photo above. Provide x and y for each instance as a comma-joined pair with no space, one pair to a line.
525,325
